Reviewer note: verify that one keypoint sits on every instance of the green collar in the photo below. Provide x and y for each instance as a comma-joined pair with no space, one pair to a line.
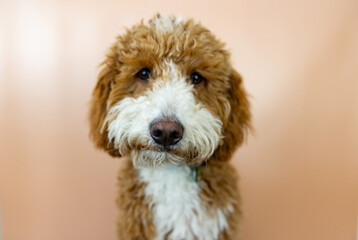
195,172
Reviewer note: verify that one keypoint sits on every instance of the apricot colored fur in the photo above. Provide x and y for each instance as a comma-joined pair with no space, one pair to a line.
193,48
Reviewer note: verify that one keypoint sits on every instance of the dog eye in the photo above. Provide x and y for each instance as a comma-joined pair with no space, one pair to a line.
144,74
196,78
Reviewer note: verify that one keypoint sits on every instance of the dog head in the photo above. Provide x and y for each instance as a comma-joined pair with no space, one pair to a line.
168,93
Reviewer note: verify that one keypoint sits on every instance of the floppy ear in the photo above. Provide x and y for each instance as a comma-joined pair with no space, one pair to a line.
239,120
98,105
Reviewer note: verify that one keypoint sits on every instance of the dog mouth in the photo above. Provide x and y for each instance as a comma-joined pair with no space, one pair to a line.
168,150
150,155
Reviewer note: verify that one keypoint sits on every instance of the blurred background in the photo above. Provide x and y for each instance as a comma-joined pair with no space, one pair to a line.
299,60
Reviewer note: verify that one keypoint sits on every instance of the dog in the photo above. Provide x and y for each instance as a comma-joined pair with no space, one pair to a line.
168,100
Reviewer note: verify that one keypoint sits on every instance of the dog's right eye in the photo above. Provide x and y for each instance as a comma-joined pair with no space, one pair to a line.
144,74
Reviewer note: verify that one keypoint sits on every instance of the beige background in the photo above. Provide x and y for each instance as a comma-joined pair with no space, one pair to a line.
299,172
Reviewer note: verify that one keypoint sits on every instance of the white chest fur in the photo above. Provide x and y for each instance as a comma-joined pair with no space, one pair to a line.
177,206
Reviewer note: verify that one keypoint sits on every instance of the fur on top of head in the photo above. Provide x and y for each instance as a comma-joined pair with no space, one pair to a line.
168,93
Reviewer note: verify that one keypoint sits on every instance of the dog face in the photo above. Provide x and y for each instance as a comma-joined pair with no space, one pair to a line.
167,93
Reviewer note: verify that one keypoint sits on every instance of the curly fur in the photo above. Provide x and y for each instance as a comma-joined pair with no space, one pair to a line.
158,197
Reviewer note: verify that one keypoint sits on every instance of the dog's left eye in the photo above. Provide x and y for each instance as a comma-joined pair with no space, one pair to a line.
144,74
196,78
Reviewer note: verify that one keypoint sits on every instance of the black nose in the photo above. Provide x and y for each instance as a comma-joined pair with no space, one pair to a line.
166,133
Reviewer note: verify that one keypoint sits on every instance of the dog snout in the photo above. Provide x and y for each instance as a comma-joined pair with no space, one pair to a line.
166,132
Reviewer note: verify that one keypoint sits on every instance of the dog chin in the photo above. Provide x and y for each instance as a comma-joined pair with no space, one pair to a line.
152,158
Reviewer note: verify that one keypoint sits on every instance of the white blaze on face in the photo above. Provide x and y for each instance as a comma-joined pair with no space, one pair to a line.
171,97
